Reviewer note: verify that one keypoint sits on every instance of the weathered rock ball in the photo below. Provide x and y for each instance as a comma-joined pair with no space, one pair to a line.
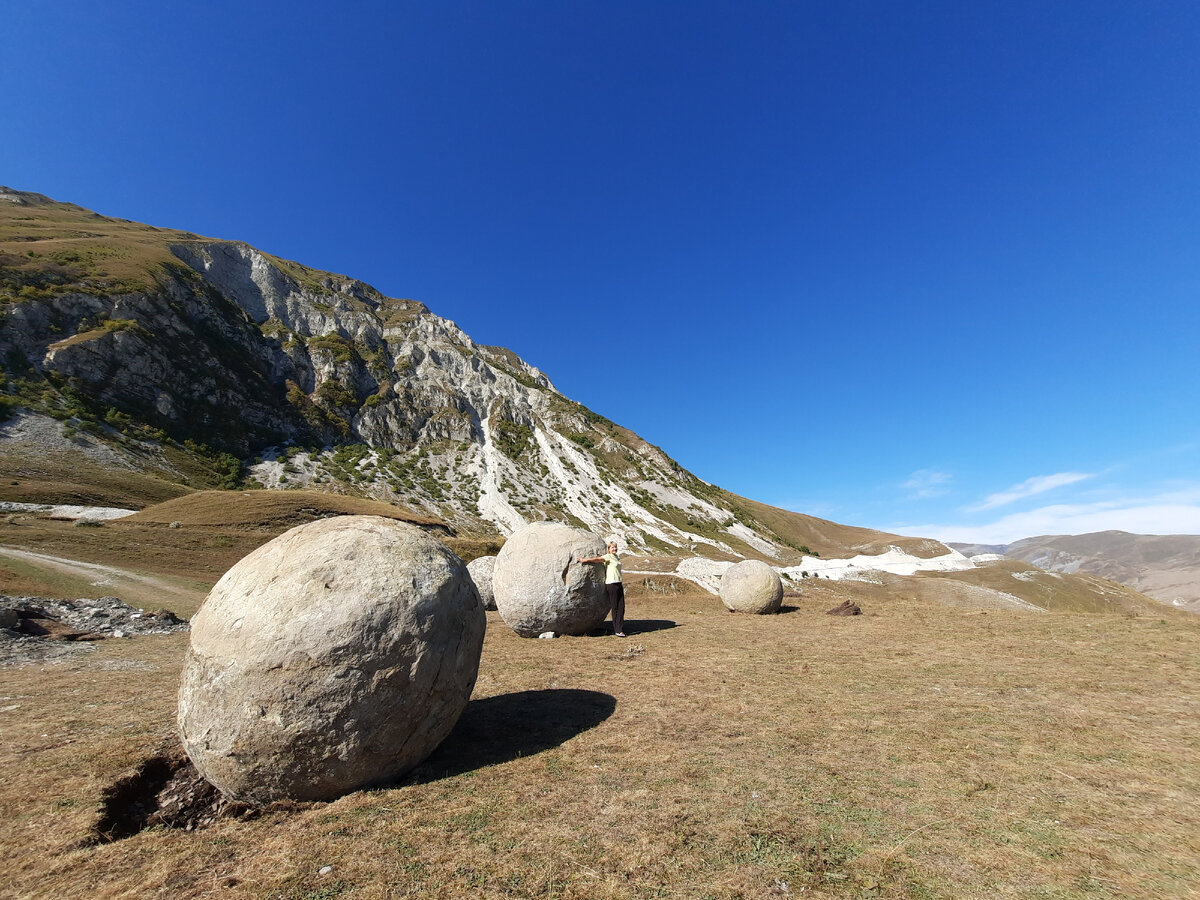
481,574
335,657
751,586
540,587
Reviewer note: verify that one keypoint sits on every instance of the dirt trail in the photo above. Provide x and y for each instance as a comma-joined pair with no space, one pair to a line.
145,591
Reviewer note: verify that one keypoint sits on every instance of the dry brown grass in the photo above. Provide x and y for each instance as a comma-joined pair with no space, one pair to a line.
88,249
833,540
56,477
194,553
1062,593
915,751
267,509
217,528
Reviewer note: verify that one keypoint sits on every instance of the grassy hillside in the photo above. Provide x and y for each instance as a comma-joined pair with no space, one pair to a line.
49,248
1064,593
72,479
274,511
829,539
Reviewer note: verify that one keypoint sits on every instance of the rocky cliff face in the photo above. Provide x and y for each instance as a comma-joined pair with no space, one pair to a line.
466,431
318,380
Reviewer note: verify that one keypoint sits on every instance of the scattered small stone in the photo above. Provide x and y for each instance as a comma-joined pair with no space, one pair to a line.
324,870
848,608
37,629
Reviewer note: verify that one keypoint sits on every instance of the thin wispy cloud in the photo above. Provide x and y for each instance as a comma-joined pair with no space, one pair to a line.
1175,511
1031,487
925,483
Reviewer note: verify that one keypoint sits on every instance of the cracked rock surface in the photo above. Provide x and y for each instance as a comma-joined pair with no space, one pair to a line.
481,570
540,587
335,657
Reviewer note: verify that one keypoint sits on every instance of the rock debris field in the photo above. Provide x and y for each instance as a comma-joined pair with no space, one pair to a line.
36,629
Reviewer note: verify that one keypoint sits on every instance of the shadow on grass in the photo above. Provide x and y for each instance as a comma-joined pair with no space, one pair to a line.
634,626
643,626
499,729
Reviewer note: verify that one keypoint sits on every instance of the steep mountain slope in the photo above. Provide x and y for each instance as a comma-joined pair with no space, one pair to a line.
181,355
141,364
1163,566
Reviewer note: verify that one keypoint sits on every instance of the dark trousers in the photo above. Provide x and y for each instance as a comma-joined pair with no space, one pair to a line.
616,599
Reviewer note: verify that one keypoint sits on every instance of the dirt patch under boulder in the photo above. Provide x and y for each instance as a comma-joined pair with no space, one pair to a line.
165,789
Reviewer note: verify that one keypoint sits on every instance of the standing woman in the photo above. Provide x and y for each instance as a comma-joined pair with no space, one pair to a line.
612,586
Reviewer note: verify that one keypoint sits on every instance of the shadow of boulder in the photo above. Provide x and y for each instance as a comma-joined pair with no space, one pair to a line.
645,626
496,730
634,626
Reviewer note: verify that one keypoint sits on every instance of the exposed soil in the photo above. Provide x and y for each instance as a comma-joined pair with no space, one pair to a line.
165,789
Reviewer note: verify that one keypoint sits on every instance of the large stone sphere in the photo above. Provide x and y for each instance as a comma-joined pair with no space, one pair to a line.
540,587
335,657
751,586
481,573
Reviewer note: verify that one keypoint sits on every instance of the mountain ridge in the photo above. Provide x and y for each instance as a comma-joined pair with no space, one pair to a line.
151,336
142,364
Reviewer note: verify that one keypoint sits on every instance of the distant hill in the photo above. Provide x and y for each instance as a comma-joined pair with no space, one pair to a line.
1163,566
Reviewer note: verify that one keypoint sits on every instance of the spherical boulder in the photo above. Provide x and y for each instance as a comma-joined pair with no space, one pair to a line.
751,586
540,586
334,657
481,573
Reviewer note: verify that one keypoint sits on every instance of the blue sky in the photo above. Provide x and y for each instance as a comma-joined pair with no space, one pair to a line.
930,267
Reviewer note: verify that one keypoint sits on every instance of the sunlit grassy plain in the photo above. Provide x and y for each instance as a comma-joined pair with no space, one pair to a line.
918,750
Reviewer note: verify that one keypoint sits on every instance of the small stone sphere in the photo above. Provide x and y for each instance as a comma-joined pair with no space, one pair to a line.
751,586
335,657
539,585
481,573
